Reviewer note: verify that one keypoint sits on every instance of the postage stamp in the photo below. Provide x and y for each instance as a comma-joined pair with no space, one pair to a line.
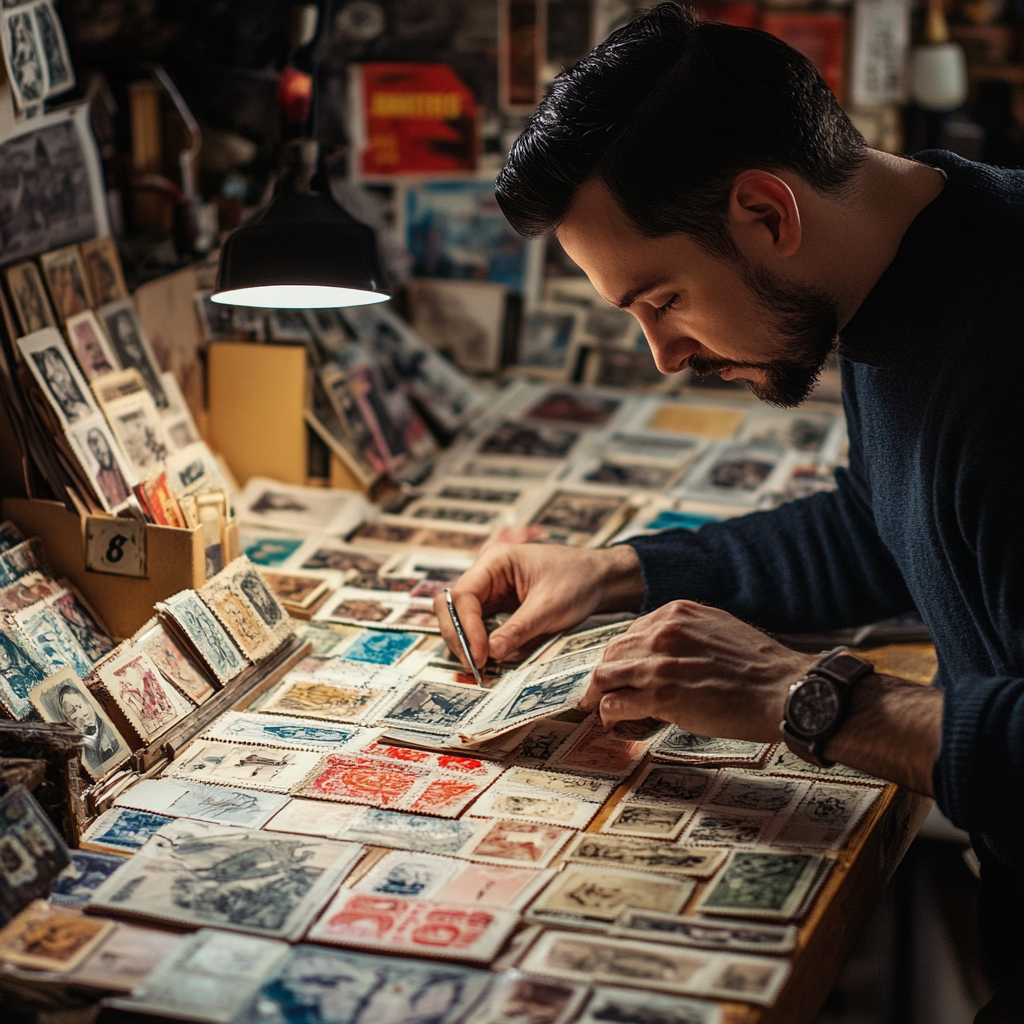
124,959
175,665
448,795
825,817
51,938
122,830
420,927
206,634
88,869
651,821
516,997
435,708
314,698
703,933
783,761
241,598
749,792
629,1006
354,778
465,767
524,843
684,747
180,798
644,855
171,879
493,885
749,979
725,828
379,648
400,831
671,784
543,740
584,787
32,851
761,884
271,769
314,818
284,731
410,875
585,894
535,805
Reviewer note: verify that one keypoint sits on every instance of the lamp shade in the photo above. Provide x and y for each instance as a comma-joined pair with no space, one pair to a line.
302,252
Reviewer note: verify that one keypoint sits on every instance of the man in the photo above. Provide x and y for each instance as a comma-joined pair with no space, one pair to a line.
100,743
706,180
109,478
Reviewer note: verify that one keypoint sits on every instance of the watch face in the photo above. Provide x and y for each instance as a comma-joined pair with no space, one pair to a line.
813,706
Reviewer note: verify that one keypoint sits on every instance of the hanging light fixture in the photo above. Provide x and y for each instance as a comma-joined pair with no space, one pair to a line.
302,250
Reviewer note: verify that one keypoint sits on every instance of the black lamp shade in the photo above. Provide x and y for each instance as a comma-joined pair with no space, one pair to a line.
302,251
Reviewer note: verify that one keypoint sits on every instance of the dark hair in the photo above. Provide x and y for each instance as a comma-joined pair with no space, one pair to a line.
667,111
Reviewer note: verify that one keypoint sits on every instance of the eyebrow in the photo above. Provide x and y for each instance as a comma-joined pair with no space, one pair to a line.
633,294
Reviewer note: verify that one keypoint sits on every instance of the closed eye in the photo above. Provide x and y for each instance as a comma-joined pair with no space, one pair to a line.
661,311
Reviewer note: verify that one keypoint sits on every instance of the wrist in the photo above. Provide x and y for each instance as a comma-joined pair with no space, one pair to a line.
620,580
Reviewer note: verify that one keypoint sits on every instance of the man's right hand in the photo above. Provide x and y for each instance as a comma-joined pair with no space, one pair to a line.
548,588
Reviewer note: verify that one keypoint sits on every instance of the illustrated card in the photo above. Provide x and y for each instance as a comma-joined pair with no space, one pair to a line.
285,732
50,938
632,1007
584,895
63,697
177,667
57,374
178,798
314,818
122,830
251,611
435,707
535,805
87,871
103,462
316,698
377,827
271,769
124,959
121,322
523,441
354,778
147,700
90,345
295,591
684,747
644,855
416,927
761,884
200,874
32,852
671,784
139,430
266,502
209,977
525,843
318,985
207,636
825,817
515,997
705,933
650,821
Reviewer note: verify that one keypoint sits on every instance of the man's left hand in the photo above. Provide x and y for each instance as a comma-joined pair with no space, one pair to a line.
700,668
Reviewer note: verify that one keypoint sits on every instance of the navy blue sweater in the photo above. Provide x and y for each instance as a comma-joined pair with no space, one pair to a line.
929,515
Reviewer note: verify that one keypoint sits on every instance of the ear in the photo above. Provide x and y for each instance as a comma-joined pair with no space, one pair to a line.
764,216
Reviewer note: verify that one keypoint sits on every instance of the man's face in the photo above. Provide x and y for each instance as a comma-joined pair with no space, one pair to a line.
78,713
100,449
712,314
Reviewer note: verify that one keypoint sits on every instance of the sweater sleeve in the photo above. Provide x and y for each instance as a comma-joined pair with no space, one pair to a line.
811,564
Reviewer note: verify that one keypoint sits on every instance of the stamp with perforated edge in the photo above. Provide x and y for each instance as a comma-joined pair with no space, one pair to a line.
523,843
650,855
535,805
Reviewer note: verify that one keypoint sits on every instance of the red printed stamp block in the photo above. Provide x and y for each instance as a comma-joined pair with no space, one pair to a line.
446,797
361,780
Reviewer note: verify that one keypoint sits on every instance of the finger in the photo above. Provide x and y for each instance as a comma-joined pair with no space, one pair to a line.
625,706
530,620
589,701
618,675
470,615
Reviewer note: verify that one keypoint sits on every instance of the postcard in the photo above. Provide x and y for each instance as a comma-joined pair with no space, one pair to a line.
66,280
46,354
20,672
740,473
354,778
147,700
51,938
684,747
321,555
124,959
122,830
102,461
177,667
706,933
537,805
282,731
206,635
416,927
63,697
761,884
87,871
90,345
322,698
334,986
584,895
650,821
410,874
272,770
595,959
629,1006
32,852
644,855
314,818
209,977
265,502
400,831
196,873
523,843
178,798
29,296
515,997
131,345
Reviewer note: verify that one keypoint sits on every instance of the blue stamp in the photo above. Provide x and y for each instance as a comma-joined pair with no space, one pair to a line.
381,648
122,828
87,871
273,550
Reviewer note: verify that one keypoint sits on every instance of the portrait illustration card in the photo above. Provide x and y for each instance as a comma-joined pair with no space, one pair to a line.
66,279
90,345
30,301
54,368
104,268
121,322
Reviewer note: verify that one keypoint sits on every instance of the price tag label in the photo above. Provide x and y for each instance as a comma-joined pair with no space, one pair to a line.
115,545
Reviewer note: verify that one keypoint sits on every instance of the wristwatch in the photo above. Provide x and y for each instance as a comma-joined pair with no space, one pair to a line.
819,703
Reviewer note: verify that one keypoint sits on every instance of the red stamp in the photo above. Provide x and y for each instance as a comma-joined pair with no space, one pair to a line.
446,797
362,780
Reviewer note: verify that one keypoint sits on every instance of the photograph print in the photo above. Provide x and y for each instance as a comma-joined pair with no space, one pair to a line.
57,374
64,698
121,322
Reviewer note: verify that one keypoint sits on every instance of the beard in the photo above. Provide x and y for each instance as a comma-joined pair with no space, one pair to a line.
805,323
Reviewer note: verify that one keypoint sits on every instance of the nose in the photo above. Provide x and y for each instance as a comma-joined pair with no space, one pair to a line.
670,350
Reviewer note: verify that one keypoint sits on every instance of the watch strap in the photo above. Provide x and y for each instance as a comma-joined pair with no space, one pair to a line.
844,670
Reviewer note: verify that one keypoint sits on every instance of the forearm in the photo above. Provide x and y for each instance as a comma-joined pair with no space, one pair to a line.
893,732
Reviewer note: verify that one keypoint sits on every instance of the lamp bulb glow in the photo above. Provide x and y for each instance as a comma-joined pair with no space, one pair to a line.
297,296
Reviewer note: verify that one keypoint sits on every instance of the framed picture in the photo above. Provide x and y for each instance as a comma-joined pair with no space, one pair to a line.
103,266
29,297
63,206
91,345
121,322
66,280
